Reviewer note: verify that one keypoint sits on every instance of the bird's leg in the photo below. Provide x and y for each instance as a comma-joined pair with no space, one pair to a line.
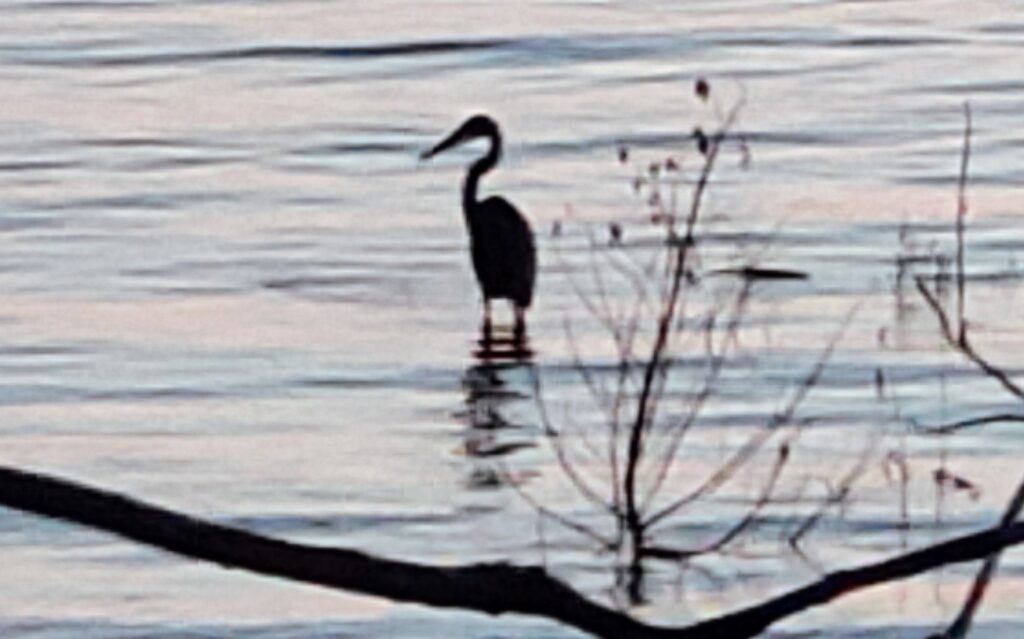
520,329
486,327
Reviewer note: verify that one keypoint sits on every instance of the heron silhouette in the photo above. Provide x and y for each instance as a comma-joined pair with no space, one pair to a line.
500,239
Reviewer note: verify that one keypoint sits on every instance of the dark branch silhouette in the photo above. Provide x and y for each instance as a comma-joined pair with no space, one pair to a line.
494,589
631,477
960,627
488,588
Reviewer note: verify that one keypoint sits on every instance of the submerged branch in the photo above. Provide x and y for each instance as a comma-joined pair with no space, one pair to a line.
495,589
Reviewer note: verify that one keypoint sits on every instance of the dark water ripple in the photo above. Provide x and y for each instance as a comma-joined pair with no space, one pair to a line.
281,52
559,50
341,523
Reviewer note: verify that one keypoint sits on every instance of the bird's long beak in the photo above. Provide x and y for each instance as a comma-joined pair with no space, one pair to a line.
452,140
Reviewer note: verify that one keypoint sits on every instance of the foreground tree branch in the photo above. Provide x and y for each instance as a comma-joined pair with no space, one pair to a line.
489,588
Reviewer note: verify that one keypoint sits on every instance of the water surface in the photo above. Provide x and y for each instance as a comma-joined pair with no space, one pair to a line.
230,288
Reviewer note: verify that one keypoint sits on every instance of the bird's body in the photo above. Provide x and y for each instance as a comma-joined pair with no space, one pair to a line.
500,239
504,258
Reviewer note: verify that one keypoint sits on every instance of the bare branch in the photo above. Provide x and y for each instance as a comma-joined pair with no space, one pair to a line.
570,472
717,362
560,519
645,404
836,496
489,588
963,344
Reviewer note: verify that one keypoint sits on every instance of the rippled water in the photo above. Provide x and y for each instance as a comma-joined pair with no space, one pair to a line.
229,287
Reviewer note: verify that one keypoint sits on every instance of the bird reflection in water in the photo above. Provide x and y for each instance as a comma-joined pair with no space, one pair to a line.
498,387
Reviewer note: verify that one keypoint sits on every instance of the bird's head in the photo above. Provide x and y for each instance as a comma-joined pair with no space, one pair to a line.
478,126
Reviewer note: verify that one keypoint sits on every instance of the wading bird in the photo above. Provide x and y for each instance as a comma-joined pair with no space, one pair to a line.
500,239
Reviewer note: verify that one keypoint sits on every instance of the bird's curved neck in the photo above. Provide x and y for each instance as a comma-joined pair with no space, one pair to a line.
477,170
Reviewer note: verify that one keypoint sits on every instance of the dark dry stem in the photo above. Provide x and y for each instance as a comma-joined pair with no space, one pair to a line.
624,335
646,401
626,372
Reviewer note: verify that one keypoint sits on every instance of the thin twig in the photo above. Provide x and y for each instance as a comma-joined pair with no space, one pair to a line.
963,344
559,518
836,496
745,453
726,538
697,404
554,438
961,212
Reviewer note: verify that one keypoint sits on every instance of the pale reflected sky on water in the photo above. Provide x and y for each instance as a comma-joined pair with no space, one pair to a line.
229,287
